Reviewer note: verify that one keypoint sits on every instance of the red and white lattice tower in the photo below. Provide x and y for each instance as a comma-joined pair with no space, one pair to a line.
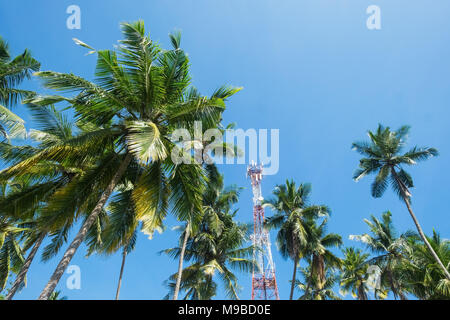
264,283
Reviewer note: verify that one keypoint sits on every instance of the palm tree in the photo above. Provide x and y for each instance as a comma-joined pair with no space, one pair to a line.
12,73
315,289
318,255
385,158
354,273
426,283
389,250
195,284
213,254
141,94
38,183
292,214
216,246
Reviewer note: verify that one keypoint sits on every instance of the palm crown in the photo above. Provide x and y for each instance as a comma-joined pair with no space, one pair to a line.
12,73
383,156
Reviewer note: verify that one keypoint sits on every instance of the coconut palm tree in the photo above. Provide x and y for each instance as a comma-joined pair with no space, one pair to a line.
426,283
12,73
38,183
315,289
318,254
140,95
216,247
354,274
389,250
292,212
215,200
195,284
383,156
213,254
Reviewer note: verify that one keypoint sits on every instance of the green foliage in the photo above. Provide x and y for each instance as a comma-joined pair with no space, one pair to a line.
216,247
354,274
383,156
12,72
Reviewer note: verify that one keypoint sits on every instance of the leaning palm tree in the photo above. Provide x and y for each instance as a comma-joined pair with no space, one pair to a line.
292,215
426,283
12,73
383,156
389,250
140,96
354,276
38,184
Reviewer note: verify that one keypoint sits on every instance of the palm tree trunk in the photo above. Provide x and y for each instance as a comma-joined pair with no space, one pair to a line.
422,235
23,272
362,293
70,252
405,194
124,256
293,279
392,282
180,263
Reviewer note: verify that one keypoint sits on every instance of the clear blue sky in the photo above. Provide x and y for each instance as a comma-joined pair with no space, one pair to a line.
309,68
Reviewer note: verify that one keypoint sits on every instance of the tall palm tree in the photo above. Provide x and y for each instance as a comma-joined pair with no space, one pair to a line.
383,156
140,95
215,200
292,212
213,254
354,273
12,73
216,247
427,283
318,254
389,250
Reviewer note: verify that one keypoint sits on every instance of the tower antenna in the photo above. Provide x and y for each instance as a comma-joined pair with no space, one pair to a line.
264,283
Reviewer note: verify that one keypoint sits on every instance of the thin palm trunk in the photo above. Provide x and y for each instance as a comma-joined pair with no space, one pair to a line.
70,252
23,272
362,292
392,282
422,235
405,194
180,263
124,256
293,279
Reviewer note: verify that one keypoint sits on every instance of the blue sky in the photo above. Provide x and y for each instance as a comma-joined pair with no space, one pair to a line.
309,68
